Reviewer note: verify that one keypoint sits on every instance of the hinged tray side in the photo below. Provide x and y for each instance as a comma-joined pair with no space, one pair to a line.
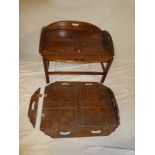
33,107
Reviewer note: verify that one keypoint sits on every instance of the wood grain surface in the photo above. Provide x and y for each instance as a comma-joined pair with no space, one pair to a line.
75,41
78,109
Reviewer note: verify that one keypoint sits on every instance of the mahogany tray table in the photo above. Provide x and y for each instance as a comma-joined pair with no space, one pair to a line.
74,109
78,42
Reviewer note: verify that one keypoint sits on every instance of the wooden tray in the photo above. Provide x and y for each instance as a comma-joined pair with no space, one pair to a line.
75,41
74,109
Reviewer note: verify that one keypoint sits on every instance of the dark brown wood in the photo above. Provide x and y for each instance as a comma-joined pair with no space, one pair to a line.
76,73
106,70
75,41
103,67
78,109
33,107
73,25
46,65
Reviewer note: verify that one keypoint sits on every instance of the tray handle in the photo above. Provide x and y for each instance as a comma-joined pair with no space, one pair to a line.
33,106
107,41
114,104
34,100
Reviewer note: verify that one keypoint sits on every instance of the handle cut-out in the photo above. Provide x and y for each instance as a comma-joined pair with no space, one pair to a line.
65,133
32,107
75,24
96,131
65,84
88,84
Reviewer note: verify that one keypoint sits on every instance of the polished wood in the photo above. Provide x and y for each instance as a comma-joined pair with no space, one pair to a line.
46,65
77,109
105,70
33,107
75,41
76,73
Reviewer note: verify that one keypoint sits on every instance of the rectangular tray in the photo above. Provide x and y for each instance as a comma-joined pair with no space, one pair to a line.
74,109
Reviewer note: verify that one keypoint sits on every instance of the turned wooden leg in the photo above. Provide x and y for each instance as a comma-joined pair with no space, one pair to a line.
105,70
45,62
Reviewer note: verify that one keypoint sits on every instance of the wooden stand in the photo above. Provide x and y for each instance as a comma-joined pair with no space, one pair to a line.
78,42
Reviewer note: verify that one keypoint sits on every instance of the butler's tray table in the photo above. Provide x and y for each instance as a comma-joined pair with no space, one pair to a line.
79,42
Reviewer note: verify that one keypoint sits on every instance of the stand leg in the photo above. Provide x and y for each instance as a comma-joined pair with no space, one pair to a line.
102,65
45,62
105,70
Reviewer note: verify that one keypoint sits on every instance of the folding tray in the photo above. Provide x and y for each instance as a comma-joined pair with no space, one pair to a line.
74,109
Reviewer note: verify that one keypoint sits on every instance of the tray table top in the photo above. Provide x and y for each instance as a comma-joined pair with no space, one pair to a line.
75,41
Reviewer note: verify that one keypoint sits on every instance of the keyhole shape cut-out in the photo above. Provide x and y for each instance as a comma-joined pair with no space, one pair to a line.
75,24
